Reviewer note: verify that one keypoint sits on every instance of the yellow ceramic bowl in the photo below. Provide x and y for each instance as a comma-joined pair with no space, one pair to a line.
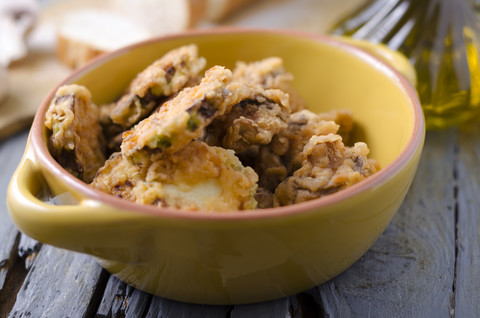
236,257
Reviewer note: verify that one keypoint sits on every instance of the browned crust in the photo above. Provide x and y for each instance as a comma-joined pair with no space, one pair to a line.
233,5
74,53
197,11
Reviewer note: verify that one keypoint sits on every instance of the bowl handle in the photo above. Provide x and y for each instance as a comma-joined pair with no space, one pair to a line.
82,225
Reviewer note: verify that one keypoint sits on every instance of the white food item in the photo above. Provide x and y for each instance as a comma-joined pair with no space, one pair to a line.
159,16
86,33
201,195
103,30
167,16
16,19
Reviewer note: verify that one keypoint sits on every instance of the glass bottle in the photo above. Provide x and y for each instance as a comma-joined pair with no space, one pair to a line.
440,39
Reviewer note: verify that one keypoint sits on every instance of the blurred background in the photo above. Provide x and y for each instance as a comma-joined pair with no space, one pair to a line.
42,41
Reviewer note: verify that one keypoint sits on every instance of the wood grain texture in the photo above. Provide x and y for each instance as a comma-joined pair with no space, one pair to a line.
467,293
122,300
11,151
285,307
28,249
409,271
59,284
161,307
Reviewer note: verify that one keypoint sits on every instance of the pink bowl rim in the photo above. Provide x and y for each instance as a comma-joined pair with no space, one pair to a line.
39,145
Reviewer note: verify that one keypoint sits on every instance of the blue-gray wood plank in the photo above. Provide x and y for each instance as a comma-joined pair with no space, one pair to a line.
467,295
426,264
10,153
59,284
410,270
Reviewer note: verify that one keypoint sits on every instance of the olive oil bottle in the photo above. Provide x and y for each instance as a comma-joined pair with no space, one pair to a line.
441,40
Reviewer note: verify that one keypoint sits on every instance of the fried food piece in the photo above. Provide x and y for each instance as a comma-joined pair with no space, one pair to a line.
111,131
197,177
328,167
280,144
271,172
270,167
253,121
264,198
76,142
119,176
269,73
150,88
301,127
283,155
343,118
184,117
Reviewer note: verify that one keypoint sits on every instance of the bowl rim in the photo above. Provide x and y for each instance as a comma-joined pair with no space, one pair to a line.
415,141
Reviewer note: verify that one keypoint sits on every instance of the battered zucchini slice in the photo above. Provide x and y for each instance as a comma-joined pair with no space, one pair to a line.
183,118
119,176
150,88
197,177
76,139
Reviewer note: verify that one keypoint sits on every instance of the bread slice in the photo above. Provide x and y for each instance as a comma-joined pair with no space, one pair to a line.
167,16
86,33
217,10
162,16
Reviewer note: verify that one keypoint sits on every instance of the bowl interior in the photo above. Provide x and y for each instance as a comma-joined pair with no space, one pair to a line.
327,76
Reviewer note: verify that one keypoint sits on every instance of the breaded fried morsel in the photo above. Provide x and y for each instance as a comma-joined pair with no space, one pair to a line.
343,118
264,198
269,73
301,127
259,116
270,166
184,117
76,142
165,77
283,155
197,177
226,141
119,176
200,177
328,167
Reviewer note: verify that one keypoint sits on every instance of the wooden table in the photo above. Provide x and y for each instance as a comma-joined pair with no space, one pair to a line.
426,263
